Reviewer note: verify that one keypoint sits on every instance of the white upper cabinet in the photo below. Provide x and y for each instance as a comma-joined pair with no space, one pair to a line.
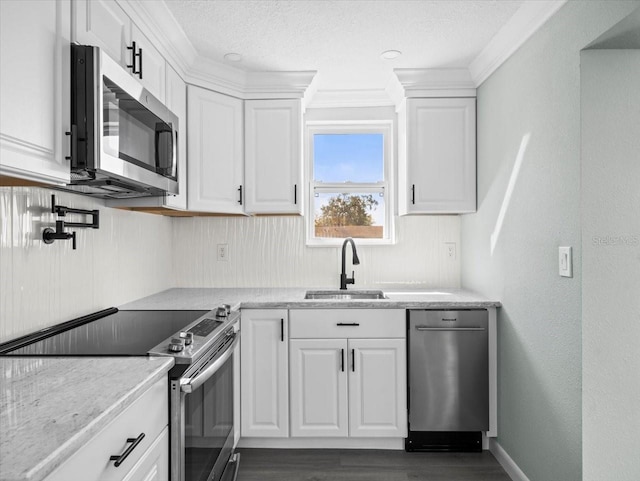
273,156
437,156
102,23
150,64
215,152
34,89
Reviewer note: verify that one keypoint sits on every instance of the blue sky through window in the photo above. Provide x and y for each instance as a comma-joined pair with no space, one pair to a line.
348,157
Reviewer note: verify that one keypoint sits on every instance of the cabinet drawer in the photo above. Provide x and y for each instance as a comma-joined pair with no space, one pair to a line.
347,323
148,415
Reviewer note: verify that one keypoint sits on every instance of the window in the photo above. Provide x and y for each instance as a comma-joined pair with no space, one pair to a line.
349,178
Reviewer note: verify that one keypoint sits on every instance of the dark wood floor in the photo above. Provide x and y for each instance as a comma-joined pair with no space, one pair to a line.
366,465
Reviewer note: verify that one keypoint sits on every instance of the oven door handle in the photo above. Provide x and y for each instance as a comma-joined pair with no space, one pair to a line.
188,385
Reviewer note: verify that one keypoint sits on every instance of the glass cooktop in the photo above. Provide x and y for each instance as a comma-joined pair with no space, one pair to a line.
123,333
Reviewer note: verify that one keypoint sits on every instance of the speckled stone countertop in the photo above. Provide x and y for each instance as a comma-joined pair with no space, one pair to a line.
293,298
50,407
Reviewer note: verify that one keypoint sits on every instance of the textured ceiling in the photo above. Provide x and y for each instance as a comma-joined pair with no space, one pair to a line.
342,39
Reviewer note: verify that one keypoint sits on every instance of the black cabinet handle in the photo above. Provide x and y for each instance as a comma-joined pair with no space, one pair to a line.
73,142
353,360
133,57
342,360
413,193
348,324
281,330
240,190
295,193
119,458
140,63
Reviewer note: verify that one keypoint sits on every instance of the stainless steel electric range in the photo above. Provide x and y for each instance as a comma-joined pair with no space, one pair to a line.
200,384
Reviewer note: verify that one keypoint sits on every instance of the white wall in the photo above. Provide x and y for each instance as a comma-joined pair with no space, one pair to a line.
41,285
528,205
610,83
271,252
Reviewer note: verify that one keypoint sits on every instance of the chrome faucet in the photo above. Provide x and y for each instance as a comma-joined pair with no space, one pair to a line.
344,280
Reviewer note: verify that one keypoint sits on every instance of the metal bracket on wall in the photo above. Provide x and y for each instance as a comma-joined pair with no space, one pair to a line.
49,235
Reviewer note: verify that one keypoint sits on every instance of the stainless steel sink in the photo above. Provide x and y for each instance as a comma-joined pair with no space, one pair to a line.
345,295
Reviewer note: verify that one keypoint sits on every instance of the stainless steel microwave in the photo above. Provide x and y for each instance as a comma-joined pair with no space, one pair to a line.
124,141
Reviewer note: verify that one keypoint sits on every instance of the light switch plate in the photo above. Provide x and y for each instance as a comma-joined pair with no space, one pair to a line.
565,262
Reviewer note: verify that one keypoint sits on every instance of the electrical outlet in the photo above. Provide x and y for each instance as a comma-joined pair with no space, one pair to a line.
223,252
450,249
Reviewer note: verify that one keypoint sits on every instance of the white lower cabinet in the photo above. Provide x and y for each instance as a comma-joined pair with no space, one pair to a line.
318,387
348,387
264,379
377,388
149,459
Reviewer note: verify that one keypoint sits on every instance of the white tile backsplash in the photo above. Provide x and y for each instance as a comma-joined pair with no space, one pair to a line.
271,252
127,258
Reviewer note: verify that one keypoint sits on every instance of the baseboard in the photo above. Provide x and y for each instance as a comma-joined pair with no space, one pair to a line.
509,465
322,443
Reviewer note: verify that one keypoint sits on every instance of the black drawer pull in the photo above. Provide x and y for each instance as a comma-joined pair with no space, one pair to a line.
119,459
281,330
348,324
353,360
342,360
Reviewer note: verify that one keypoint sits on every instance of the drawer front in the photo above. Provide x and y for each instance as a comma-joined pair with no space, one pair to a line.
149,415
347,323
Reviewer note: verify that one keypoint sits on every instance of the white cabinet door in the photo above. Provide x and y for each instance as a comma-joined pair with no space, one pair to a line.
319,387
215,152
437,165
34,89
150,64
264,380
273,162
154,464
377,388
102,23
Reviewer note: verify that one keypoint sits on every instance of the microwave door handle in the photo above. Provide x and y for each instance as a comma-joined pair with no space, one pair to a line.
189,385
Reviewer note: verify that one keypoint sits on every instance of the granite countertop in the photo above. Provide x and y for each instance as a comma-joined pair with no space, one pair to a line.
293,298
50,407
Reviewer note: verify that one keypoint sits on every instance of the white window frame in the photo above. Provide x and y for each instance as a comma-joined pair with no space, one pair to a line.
384,127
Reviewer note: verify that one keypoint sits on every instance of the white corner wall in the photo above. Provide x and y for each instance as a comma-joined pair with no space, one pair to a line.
528,206
41,285
610,89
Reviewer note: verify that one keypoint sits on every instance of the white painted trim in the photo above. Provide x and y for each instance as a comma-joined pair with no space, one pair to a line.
326,99
322,443
509,465
493,372
432,82
524,23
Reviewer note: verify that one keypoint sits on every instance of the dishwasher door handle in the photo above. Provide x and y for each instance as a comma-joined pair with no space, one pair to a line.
426,328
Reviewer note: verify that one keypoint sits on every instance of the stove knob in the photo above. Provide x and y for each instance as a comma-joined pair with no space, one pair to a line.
176,345
187,337
221,312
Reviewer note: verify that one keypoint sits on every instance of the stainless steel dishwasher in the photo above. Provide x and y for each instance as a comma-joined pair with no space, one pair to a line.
448,380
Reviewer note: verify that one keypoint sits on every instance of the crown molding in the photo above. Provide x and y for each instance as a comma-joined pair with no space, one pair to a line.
432,82
327,99
524,23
